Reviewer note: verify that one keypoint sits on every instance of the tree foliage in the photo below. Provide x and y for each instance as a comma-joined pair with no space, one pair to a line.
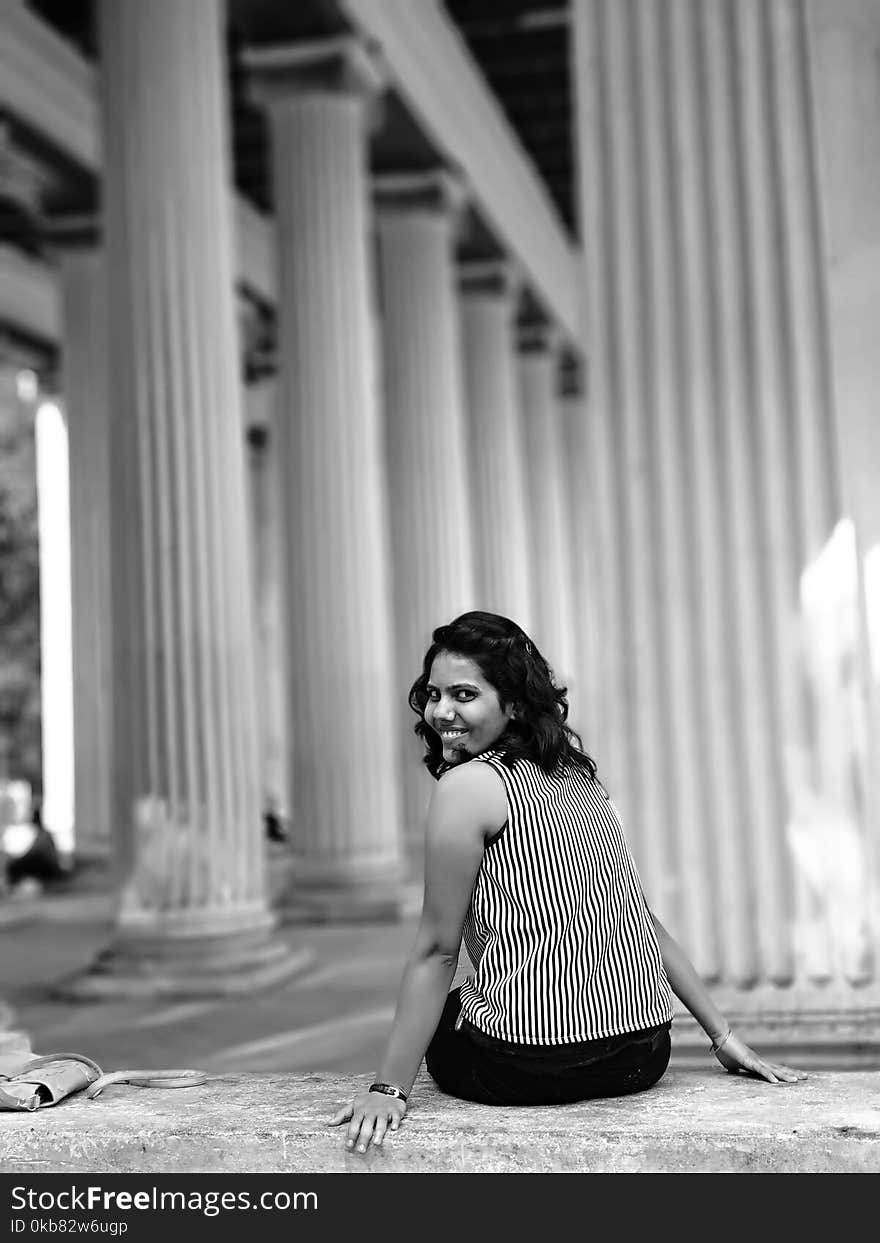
19,598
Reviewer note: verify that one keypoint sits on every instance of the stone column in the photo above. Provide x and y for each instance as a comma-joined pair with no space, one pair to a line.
728,572
499,495
344,766
84,362
578,479
193,917
548,519
844,46
265,484
425,439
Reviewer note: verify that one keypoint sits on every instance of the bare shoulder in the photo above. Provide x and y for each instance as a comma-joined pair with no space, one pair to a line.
472,794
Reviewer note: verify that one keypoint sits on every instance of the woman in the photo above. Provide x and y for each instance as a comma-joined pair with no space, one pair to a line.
526,859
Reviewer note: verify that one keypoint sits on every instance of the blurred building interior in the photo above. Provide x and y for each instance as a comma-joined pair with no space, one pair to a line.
323,322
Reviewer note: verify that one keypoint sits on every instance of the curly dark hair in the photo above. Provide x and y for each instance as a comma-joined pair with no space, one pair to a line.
519,674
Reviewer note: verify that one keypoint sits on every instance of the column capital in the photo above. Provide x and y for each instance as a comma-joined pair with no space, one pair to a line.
436,192
539,337
23,178
339,66
80,231
501,277
19,353
572,375
257,333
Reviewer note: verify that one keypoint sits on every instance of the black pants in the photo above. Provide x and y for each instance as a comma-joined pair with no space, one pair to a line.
475,1067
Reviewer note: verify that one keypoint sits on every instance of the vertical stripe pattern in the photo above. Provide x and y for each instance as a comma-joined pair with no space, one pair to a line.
558,930
264,505
84,301
426,453
545,493
712,430
504,573
185,737
335,543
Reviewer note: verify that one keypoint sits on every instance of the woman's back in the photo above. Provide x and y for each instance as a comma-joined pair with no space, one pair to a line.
561,939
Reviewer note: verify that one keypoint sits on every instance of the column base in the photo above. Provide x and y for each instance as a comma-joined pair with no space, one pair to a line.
371,902
352,890
818,1040
184,959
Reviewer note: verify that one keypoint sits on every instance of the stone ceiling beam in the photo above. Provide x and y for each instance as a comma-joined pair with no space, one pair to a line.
53,90
29,296
441,84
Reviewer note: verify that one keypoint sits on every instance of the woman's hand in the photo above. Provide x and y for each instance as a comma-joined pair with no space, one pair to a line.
735,1055
371,1114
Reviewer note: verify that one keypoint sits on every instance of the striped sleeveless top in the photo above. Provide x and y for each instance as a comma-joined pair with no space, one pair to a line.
558,930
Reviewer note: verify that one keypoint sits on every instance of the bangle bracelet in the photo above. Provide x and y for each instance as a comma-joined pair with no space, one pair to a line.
716,1044
388,1089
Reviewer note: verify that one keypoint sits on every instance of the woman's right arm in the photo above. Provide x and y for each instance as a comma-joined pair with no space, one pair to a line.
467,805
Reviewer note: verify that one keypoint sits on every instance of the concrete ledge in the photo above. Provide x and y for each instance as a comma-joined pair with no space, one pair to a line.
696,1121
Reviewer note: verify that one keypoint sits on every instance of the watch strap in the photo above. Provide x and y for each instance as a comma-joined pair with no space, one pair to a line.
388,1089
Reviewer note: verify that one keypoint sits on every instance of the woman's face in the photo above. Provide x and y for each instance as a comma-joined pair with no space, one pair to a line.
463,708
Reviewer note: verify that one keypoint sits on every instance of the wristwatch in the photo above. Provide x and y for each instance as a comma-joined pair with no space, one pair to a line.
388,1089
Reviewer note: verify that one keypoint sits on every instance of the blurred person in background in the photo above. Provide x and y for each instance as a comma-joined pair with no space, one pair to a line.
27,849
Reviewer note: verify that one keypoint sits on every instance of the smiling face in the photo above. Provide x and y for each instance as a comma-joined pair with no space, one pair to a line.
463,708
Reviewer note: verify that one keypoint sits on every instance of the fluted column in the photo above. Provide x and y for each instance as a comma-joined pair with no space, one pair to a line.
425,438
265,484
578,480
547,514
499,496
842,598
84,361
345,760
719,496
193,915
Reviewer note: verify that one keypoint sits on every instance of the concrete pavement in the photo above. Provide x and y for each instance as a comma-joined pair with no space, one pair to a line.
334,1016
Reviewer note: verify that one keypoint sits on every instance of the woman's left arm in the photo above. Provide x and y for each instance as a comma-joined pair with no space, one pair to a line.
733,1054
